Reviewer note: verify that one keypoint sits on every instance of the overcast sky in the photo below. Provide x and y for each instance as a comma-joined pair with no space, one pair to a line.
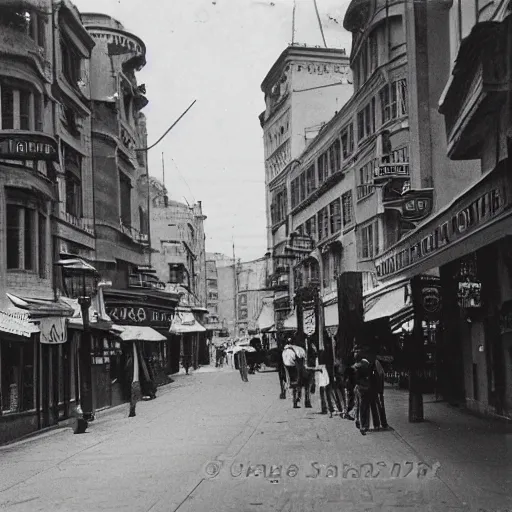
217,52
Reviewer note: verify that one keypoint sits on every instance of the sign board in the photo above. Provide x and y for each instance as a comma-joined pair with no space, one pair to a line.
486,202
28,146
53,330
309,322
426,293
134,315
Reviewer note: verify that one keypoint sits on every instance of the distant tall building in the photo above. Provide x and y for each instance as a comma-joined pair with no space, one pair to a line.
303,90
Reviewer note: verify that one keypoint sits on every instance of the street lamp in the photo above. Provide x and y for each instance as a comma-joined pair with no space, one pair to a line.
80,281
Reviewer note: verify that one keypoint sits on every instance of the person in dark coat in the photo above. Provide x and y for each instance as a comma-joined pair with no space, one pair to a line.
362,375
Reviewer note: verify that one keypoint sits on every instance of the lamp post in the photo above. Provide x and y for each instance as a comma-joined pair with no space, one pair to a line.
80,281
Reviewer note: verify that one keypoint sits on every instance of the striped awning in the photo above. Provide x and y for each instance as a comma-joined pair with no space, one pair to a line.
17,326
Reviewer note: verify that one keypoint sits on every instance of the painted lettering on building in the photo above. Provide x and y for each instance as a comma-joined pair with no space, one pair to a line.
325,69
53,330
451,227
26,147
139,315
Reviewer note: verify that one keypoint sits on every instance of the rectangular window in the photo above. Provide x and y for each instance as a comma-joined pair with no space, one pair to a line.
323,164
365,180
311,227
24,110
373,50
295,192
302,179
310,180
335,216
323,223
364,63
348,208
7,108
14,240
125,188
366,120
326,263
369,241
347,140
28,243
71,64
38,113
41,31
335,157
393,100
42,246
73,180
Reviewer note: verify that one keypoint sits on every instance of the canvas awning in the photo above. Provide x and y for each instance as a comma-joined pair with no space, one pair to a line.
386,305
266,318
140,333
17,326
185,322
290,323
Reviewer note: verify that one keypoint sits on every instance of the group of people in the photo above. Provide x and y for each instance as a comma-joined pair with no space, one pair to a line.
355,386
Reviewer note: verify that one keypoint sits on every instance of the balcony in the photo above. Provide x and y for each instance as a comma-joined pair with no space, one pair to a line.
300,243
391,171
134,234
79,222
27,145
477,88
279,281
16,41
147,281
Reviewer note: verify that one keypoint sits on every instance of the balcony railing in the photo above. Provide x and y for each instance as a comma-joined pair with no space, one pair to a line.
391,170
134,234
145,281
79,222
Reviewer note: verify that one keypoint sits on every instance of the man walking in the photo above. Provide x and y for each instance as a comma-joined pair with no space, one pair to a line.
294,359
362,376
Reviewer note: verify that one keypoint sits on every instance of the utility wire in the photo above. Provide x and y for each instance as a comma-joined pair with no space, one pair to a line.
320,23
184,180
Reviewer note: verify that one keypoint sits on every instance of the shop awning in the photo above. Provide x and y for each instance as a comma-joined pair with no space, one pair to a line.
184,322
387,305
331,315
16,326
290,323
266,317
140,333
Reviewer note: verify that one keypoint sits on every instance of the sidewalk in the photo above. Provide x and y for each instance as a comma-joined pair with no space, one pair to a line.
475,453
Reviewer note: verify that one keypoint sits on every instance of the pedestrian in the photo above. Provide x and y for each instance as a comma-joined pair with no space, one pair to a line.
362,374
242,365
378,393
186,361
326,357
294,359
345,384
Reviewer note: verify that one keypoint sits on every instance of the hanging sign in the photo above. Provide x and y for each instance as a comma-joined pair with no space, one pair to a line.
309,322
53,330
469,294
426,292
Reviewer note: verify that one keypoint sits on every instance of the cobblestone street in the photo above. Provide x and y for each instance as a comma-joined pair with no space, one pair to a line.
202,444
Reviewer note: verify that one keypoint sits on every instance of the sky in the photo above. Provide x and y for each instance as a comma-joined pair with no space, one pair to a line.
217,52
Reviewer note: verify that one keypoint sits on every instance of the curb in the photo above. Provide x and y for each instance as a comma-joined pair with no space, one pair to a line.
33,436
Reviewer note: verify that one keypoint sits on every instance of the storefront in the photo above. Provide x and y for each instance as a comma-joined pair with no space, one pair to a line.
151,309
34,388
467,244
187,332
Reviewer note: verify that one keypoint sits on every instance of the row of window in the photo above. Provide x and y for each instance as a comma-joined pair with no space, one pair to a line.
393,104
27,235
20,107
28,22
330,219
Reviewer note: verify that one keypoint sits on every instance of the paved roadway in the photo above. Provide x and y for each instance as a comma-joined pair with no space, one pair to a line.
200,446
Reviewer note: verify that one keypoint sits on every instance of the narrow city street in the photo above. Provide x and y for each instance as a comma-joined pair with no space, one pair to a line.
201,445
